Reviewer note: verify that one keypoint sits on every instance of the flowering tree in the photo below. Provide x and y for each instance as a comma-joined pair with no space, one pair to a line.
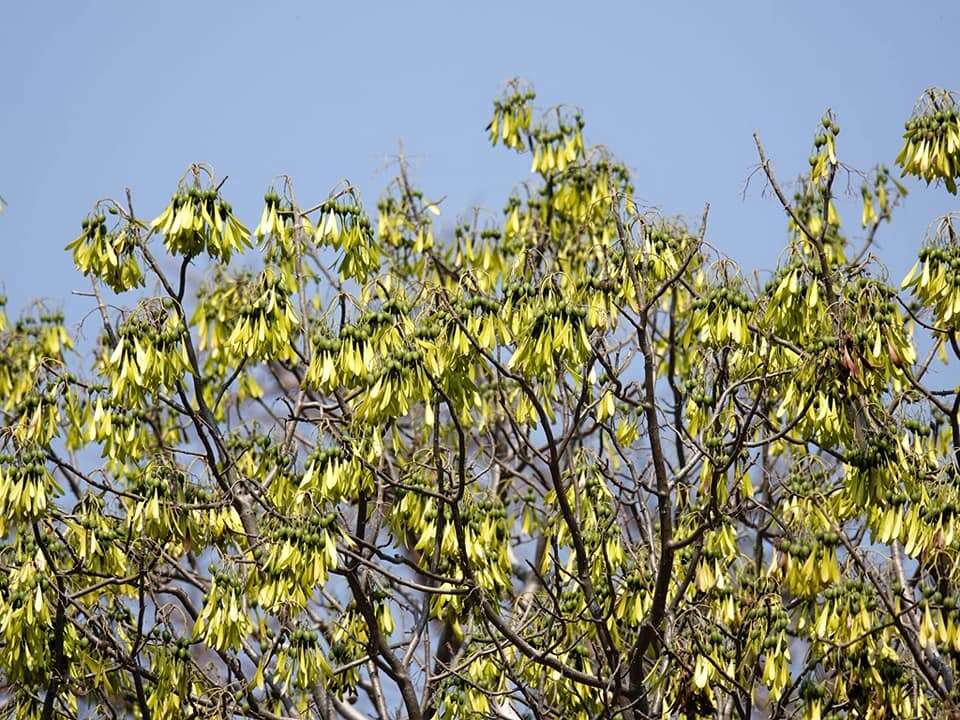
563,462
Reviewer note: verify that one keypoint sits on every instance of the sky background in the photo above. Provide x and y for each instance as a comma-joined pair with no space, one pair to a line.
99,96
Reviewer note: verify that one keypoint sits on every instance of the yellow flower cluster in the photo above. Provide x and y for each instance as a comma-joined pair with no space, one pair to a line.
197,221
931,141
108,255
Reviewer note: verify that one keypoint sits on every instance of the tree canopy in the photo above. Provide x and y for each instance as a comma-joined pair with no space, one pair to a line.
563,461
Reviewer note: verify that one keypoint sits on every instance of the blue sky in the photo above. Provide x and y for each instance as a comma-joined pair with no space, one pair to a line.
99,96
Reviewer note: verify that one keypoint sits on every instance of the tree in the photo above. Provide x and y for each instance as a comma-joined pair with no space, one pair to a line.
565,463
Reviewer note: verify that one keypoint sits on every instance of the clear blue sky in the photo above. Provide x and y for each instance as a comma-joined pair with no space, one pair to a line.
98,96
